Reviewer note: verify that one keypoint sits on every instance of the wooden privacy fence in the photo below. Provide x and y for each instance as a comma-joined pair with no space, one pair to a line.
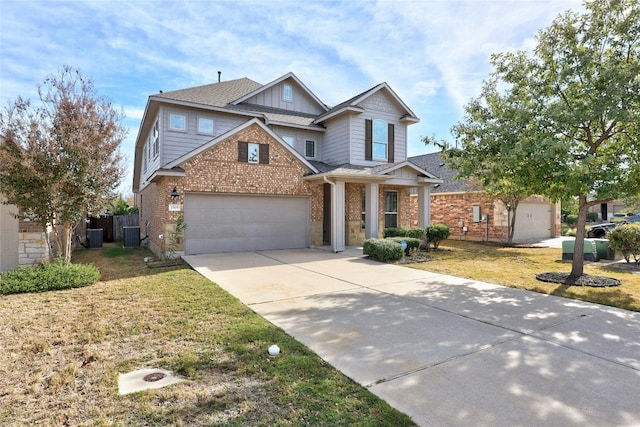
112,230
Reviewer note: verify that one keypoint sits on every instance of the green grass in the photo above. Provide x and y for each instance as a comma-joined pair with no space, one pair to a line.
77,341
517,267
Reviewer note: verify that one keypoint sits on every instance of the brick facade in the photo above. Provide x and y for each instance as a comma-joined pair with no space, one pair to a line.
456,211
218,171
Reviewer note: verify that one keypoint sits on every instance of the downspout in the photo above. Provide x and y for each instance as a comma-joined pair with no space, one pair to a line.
333,216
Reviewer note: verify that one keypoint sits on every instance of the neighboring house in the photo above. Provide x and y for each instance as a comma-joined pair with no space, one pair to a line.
606,211
271,166
472,216
21,242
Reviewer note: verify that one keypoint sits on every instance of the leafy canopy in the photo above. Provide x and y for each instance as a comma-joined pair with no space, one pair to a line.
564,120
60,159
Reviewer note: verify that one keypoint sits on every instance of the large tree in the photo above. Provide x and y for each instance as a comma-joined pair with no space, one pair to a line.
564,120
61,159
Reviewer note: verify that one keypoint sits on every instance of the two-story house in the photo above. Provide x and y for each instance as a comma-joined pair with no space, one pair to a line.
253,167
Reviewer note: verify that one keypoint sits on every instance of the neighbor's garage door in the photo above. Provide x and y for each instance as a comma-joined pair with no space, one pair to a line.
225,223
533,221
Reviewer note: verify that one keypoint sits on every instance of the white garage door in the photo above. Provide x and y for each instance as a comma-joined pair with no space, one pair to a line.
230,223
533,221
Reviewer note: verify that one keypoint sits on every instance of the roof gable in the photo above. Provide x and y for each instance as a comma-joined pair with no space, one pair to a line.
353,104
288,76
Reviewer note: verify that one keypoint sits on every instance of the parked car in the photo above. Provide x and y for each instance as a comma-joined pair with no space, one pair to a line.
600,230
632,218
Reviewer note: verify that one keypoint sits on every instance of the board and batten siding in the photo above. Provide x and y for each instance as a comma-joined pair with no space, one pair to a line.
272,97
335,149
381,107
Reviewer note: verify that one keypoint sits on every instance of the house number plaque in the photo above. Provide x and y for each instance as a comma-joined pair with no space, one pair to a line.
175,207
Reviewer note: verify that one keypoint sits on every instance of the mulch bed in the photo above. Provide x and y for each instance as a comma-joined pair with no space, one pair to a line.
584,280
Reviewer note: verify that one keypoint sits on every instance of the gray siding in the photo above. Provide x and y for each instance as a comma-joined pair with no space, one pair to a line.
383,107
300,136
272,97
335,149
174,144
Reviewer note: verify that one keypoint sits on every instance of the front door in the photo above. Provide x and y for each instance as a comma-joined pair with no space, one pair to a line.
326,215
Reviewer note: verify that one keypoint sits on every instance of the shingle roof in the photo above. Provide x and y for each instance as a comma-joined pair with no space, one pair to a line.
434,164
215,94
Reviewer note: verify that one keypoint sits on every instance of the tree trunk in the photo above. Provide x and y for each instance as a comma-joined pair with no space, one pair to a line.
512,220
67,240
577,266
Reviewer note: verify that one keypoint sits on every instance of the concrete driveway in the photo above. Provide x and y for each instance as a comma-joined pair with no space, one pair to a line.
446,351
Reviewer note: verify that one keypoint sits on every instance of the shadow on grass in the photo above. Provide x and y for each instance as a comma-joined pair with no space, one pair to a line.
116,262
614,297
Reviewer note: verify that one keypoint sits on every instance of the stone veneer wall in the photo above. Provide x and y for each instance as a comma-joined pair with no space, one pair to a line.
32,244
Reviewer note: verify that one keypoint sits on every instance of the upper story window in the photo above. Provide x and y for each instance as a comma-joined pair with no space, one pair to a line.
177,122
154,139
287,92
289,140
380,139
251,152
205,125
310,149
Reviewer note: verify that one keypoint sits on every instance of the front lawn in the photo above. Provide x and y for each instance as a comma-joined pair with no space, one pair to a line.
517,267
62,352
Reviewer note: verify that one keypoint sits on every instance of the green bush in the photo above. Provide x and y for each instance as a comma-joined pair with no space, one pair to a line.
571,220
592,216
437,233
411,242
48,277
564,229
382,249
416,233
393,232
626,239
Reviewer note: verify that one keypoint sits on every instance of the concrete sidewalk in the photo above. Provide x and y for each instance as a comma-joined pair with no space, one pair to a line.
447,351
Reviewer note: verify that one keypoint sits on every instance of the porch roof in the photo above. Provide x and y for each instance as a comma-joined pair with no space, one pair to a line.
379,173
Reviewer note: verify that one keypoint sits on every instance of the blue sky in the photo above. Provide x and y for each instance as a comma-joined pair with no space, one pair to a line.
434,53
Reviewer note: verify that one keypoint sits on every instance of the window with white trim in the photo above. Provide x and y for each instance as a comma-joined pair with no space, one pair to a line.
253,155
177,122
154,139
310,149
390,209
380,139
205,126
287,92
363,208
289,140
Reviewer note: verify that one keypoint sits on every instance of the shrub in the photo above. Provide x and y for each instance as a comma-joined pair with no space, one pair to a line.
416,233
48,277
437,233
592,216
393,232
626,239
571,220
382,249
564,229
412,243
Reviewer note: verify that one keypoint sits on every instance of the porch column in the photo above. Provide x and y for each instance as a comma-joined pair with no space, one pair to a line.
371,211
337,216
424,212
